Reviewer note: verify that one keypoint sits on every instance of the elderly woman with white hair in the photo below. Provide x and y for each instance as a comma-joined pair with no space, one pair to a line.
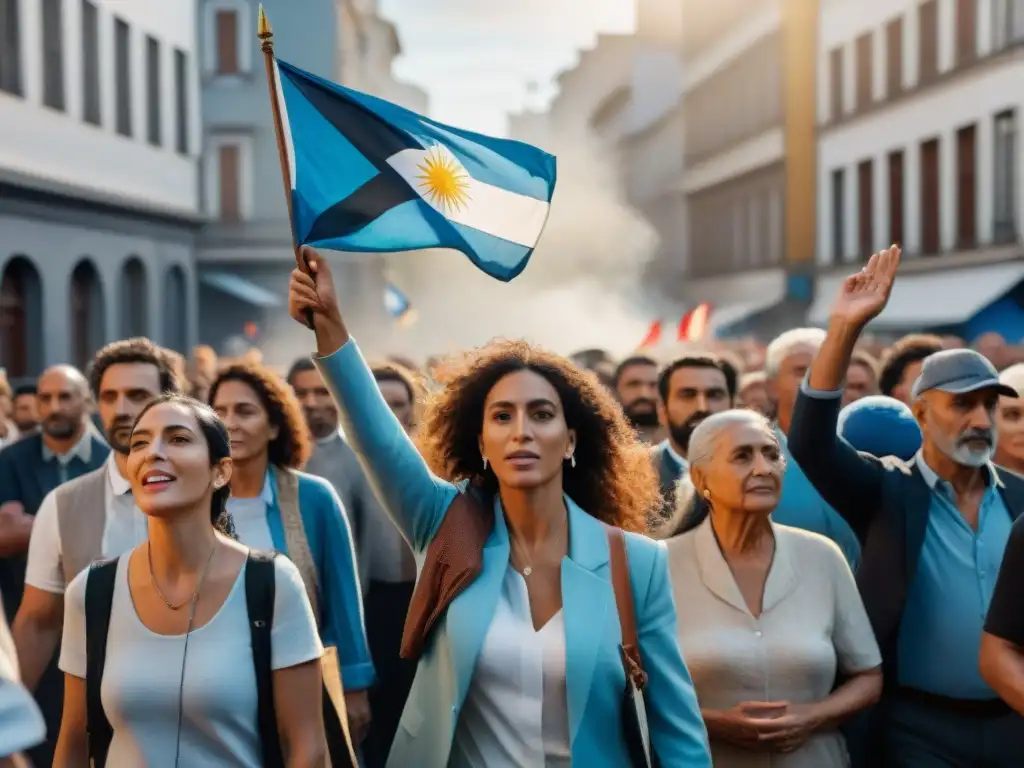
1010,422
771,613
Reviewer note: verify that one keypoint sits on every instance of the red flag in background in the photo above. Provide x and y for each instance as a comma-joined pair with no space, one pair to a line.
694,324
653,335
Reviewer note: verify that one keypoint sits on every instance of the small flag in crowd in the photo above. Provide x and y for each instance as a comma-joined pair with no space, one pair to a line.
653,336
398,305
366,175
694,324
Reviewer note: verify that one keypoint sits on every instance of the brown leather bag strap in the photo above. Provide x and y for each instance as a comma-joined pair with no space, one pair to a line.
622,585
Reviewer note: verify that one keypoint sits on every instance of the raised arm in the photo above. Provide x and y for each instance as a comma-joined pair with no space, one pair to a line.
849,481
413,497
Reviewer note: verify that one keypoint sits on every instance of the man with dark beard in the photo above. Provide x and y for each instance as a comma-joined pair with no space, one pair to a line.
86,519
689,389
636,387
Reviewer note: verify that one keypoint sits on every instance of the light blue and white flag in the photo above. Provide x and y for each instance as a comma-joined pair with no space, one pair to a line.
367,175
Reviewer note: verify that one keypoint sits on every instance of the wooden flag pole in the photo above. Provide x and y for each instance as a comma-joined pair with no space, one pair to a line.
266,36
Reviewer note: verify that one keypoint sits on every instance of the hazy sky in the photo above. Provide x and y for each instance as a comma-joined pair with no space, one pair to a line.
480,59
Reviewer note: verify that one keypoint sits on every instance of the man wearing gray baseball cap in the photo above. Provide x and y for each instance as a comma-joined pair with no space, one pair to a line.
933,531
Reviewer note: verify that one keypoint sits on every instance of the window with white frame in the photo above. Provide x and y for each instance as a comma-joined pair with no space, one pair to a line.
1007,23
1005,198
229,192
227,50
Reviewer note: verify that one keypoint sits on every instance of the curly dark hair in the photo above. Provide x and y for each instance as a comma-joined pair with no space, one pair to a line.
613,479
135,350
292,447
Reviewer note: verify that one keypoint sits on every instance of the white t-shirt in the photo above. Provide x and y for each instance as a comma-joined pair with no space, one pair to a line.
125,527
140,690
250,518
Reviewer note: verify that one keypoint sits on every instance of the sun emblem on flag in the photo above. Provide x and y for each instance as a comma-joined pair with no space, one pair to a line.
443,180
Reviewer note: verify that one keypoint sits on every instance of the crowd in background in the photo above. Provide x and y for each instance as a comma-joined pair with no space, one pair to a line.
770,621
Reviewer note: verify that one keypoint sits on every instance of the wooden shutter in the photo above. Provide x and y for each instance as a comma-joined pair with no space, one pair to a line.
227,43
230,208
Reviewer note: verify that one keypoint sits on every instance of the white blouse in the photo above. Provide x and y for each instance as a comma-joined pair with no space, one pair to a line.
516,713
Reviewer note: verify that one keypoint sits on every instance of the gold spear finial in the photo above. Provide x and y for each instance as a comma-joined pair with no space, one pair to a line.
263,30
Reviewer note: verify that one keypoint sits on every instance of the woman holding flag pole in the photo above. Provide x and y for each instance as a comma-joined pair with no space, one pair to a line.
518,620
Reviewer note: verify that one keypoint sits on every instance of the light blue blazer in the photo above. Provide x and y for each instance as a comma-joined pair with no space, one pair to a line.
417,501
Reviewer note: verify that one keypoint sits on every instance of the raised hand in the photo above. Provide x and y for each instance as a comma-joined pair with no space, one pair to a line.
313,292
865,294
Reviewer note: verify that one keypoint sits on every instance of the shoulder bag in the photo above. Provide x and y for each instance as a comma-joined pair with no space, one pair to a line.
634,709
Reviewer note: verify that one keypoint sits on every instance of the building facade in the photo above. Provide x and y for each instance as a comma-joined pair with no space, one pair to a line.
99,191
919,114
734,153
749,152
245,251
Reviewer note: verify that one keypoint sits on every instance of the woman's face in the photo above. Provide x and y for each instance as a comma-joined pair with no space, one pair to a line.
745,470
525,438
169,462
247,420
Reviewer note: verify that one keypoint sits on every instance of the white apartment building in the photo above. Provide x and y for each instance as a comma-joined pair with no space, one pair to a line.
919,115
99,190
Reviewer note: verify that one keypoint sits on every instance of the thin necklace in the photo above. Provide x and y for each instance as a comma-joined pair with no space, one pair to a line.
191,598
528,568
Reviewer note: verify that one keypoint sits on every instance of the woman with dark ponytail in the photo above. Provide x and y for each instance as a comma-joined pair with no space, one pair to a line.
183,677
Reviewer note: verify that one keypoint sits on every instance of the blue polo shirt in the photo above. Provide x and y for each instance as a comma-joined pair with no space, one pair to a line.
940,632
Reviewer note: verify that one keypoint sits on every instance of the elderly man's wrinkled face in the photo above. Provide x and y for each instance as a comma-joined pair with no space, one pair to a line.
962,426
745,471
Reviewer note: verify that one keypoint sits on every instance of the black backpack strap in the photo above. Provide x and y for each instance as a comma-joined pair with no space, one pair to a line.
260,590
99,598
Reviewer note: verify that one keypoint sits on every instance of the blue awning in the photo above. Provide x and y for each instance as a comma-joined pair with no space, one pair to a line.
934,299
241,289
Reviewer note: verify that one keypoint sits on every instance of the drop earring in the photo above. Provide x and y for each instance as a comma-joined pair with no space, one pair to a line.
484,459
572,460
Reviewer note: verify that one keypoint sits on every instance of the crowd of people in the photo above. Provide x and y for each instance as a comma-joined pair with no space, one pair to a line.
795,555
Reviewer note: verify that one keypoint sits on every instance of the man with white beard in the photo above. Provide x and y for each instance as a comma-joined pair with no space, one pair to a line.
934,531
